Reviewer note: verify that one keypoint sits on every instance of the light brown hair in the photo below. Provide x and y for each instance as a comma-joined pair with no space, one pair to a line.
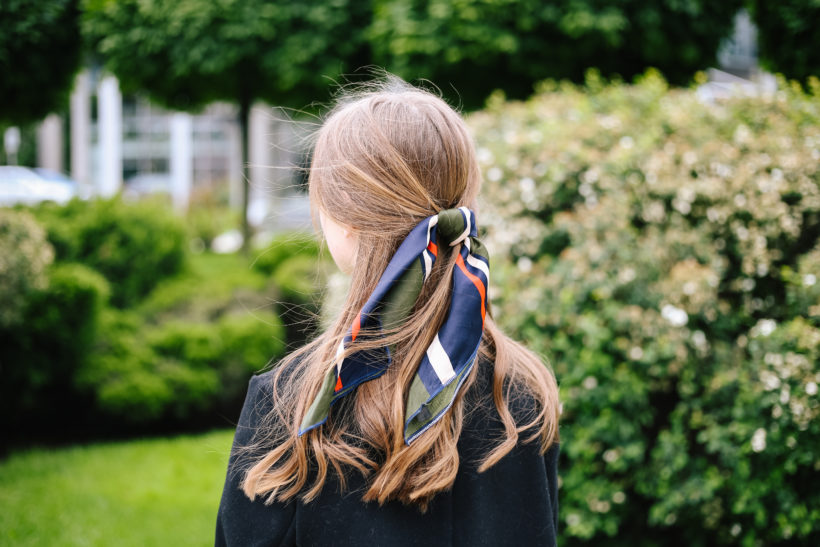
385,159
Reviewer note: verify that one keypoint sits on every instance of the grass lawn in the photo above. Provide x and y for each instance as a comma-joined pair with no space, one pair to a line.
146,492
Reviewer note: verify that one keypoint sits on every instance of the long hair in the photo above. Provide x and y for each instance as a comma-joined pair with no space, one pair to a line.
386,158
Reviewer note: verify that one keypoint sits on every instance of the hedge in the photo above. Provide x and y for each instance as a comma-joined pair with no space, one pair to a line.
133,245
109,326
662,254
43,351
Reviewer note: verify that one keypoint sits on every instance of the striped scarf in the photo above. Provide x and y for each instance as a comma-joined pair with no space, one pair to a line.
450,356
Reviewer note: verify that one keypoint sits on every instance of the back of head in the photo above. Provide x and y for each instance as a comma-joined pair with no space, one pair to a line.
391,154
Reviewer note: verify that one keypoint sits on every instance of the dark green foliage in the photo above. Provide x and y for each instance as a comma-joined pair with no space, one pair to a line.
185,353
42,353
471,47
187,54
664,255
133,245
178,369
788,35
39,55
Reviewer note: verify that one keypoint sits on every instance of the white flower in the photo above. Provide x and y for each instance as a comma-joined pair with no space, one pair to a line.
494,174
809,280
766,326
524,264
759,440
770,380
590,382
675,316
811,388
526,184
485,156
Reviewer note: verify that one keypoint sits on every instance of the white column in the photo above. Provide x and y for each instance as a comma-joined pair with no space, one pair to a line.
234,164
259,147
109,103
50,143
81,130
11,144
182,163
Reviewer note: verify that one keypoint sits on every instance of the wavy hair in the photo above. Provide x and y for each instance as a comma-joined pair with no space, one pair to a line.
385,158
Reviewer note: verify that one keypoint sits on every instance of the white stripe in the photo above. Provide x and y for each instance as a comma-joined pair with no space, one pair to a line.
339,351
479,265
432,222
466,231
440,361
428,263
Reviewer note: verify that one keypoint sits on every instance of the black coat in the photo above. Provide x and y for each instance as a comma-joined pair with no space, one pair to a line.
512,503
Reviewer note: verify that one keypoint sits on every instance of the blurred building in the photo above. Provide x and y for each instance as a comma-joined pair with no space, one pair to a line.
125,143
738,71
738,53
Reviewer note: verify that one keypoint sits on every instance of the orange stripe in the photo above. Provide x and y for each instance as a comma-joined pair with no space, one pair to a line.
357,324
476,281
433,249
338,384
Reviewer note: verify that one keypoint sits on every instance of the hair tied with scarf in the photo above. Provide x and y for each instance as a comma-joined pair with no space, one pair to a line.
452,353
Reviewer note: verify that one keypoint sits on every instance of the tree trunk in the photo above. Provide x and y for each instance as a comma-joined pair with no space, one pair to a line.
244,115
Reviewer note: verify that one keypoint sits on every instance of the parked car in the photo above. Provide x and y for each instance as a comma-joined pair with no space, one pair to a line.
23,185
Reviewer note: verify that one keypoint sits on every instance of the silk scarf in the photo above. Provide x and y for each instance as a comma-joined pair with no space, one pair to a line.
452,353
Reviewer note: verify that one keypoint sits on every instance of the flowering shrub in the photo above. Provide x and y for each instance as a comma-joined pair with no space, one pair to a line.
24,256
663,255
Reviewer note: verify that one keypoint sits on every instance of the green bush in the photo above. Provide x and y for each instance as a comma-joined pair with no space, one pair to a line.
177,350
293,261
663,254
132,245
299,279
185,353
283,247
24,256
177,369
208,217
43,352
210,286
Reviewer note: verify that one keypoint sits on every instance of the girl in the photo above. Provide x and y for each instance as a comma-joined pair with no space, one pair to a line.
413,420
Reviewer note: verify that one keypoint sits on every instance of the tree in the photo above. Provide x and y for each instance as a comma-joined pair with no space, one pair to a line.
788,36
481,45
188,53
40,50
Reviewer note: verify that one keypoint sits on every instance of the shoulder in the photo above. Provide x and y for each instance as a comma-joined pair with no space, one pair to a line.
481,413
258,408
524,481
